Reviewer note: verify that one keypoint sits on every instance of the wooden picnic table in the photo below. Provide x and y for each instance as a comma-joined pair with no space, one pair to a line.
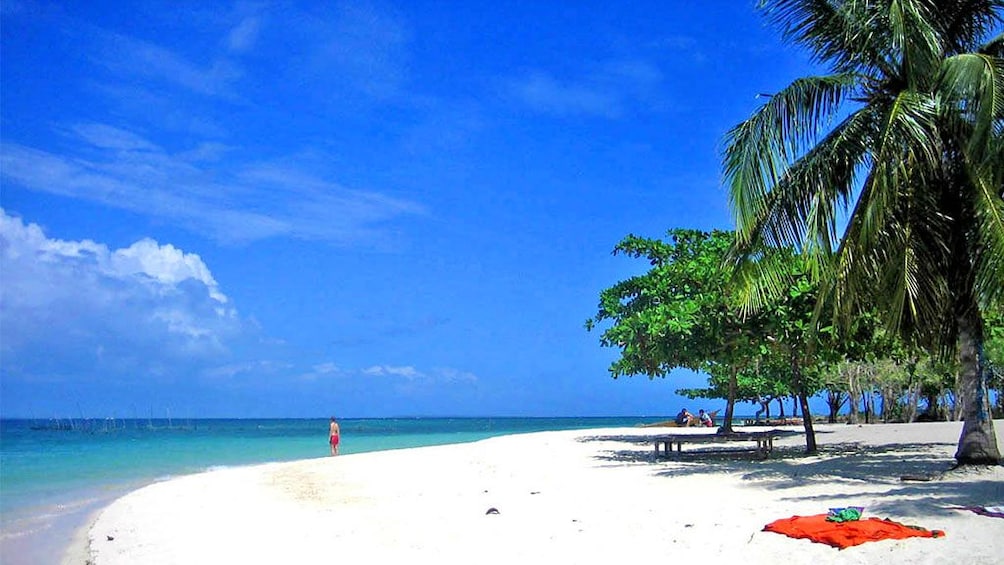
764,440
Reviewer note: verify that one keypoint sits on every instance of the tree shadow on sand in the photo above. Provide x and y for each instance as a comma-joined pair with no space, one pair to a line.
922,475
740,452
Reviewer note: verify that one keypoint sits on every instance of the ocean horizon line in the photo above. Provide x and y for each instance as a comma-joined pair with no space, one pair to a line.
325,417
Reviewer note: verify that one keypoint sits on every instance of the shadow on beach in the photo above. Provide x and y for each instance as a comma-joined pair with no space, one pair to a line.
909,478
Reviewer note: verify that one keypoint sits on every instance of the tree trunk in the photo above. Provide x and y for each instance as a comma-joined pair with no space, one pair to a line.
803,398
730,405
810,433
933,409
953,402
978,443
764,407
854,390
889,401
879,406
912,403
834,400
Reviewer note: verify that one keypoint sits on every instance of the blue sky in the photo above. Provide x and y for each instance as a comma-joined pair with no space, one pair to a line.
359,208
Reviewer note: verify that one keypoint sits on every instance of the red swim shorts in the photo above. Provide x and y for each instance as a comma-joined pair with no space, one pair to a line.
333,440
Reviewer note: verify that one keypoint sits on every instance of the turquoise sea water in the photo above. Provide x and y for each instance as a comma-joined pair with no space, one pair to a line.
55,473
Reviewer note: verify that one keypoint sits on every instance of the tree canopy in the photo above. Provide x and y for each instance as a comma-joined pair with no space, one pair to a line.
903,135
678,314
682,313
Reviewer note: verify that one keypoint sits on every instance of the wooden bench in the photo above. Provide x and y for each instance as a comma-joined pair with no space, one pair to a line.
764,440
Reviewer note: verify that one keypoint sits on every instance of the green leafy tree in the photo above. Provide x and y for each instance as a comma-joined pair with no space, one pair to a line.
678,314
834,384
938,378
794,339
904,136
756,382
683,313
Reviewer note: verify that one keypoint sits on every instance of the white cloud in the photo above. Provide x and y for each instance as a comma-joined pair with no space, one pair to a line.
456,376
406,381
409,373
80,307
251,369
194,181
233,202
134,59
406,372
608,90
242,37
161,109
326,368
107,137
326,371
545,94
165,264
142,261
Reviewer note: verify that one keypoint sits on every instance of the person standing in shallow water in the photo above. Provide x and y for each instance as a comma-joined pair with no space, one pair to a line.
334,436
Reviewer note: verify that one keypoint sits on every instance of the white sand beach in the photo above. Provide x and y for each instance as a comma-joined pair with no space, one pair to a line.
565,497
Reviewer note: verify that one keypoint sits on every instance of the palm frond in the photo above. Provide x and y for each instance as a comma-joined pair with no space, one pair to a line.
902,143
892,242
899,266
759,277
845,35
927,223
964,23
988,184
807,198
914,39
994,47
760,150
973,84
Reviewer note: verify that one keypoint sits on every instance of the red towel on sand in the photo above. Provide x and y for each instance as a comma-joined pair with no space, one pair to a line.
846,534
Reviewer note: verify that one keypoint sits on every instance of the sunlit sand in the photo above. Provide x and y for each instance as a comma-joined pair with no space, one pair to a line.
589,496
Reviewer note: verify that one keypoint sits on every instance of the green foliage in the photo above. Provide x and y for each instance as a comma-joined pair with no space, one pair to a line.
675,315
904,136
755,381
684,313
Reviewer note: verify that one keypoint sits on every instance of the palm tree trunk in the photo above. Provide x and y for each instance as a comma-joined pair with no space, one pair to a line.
978,443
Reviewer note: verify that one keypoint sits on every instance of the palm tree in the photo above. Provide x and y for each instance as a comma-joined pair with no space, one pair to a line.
903,140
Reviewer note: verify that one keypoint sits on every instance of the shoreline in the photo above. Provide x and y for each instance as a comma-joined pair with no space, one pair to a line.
78,551
584,496
47,532
53,478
